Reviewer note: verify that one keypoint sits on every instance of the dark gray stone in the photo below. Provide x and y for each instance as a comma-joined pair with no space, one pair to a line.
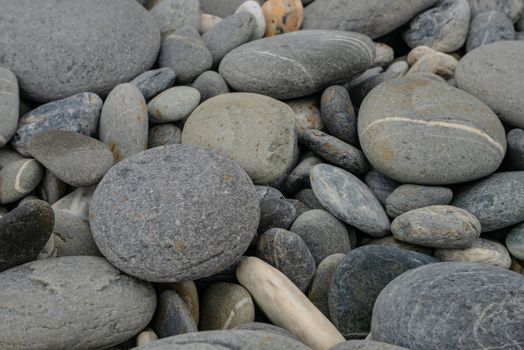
358,280
511,8
35,38
266,327
489,27
76,159
391,241
452,306
483,251
210,84
78,113
381,185
51,188
18,179
287,252
72,235
9,105
300,207
496,201
204,205
349,199
163,134
338,114
408,197
276,213
307,196
297,64
266,192
172,316
24,232
365,345
299,177
515,152
449,131
106,307
153,82
515,241
171,15
319,291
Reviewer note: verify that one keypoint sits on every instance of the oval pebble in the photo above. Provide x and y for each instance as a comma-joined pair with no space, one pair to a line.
153,82
210,84
408,197
173,104
515,241
338,114
9,105
381,185
19,178
282,16
276,213
482,251
391,241
163,135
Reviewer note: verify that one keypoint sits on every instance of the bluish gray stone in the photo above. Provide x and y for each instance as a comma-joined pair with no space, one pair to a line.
515,152
299,177
338,114
210,84
319,291
163,134
9,105
489,27
515,241
381,185
18,179
276,213
172,316
171,15
365,345
511,8
174,104
408,197
153,82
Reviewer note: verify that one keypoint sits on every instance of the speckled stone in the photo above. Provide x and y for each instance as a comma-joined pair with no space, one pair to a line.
256,131
338,114
19,178
178,190
496,201
104,315
9,105
307,114
297,64
172,316
365,345
282,16
78,113
482,251
72,236
173,104
391,241
451,306
323,234
255,9
24,232
153,82
450,132
489,27
35,38
171,15
299,177
163,134
515,241
511,8
76,159
443,27
515,152
266,192
287,252
349,199
123,123
210,84
307,196
362,17
319,290
408,197
51,188
358,280
77,202
381,185
276,213
266,327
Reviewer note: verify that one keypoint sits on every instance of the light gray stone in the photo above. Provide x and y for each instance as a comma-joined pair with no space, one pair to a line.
408,197
9,105
267,327
19,178
171,15
77,202
489,27
515,241
511,8
174,104
210,84
72,236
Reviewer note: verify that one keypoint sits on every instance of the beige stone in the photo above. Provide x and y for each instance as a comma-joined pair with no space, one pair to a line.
146,336
207,22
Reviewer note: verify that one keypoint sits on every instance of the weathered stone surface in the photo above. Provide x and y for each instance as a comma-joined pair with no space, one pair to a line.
358,280
408,197
451,306
338,114
171,15
266,327
178,190
515,152
515,241
41,291
511,8
365,345
51,188
35,38
72,236
172,316
253,7
9,105
319,290
153,82
174,104
307,114
482,251
77,202
450,132
210,84
276,213
19,178
297,64
163,135
381,186
489,27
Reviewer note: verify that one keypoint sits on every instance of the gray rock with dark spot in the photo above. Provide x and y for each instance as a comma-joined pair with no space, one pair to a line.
266,327
9,105
358,281
210,84
451,306
319,290
72,236
78,113
297,64
489,27
266,192
365,345
41,290
515,152
51,188
299,177
172,316
408,197
171,15
511,8
178,190
163,134
381,185
153,82
19,178
276,213
349,199
483,251
307,196
515,241
338,114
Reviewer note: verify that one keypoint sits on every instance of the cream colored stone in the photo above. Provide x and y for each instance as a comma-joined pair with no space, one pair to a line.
418,52
384,55
482,251
207,22
436,63
146,336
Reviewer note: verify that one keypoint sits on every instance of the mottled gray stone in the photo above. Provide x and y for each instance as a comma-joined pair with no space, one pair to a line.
266,192
381,185
323,234
366,17
184,51
489,27
391,241
9,105
299,177
78,113
204,204
153,82
72,235
300,207
109,307
319,290
496,201
482,251
307,196
515,152
365,345
495,74
24,232
77,202
163,134
124,121
19,178
210,84
338,114
511,8
172,316
349,199
56,50
266,327
171,15
450,132
515,241
452,306
287,252
51,188
408,197
297,64
276,213
174,104
437,226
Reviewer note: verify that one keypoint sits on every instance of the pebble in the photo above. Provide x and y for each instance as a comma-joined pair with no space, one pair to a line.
515,152
187,290
437,63
171,15
146,336
489,27
384,55
262,128
7,155
172,316
365,345
51,188
207,22
442,306
222,8
299,178
9,105
307,196
266,192
42,290
24,232
36,37
266,327
338,114
492,74
496,201
276,213
482,251
76,159
77,202
79,113
323,234
297,64
123,123
72,236
443,27
468,145
163,135
358,280
173,104
349,199
391,241
282,16
255,9
307,114
287,252
192,187
319,290
210,84
19,178
511,8
153,82
300,207
515,241
517,266
285,305
381,186
225,306
408,197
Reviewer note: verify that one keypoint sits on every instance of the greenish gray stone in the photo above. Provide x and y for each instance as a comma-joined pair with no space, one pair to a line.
408,197
276,213
319,290
210,84
173,104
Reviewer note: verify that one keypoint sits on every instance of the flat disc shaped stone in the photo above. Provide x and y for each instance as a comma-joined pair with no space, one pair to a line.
174,213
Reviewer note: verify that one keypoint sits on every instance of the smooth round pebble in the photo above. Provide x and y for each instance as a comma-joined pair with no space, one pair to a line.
266,192
207,22
307,196
163,135
255,9
408,197
338,114
482,251
173,104
381,185
321,283
515,241
276,213
172,316
19,178
210,84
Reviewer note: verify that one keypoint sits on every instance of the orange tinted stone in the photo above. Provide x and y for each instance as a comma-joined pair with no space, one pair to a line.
283,16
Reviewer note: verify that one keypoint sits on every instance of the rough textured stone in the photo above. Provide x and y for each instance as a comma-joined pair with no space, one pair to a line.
51,188
297,64
276,213
299,177
408,197
72,236
450,132
162,232
489,27
171,15
163,134
35,38
515,152
172,316
41,291
9,105
174,104
515,241
77,202
452,306
19,178
256,131
210,84
338,114
381,186
482,251
349,199
319,291
266,327
153,82
511,8
307,114
365,345
282,16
